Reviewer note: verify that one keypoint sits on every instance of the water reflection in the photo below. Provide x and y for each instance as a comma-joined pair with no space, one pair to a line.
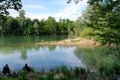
97,57
28,40
38,57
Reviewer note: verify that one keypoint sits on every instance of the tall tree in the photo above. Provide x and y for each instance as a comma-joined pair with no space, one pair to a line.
14,28
50,24
5,5
41,26
78,26
21,20
28,27
36,28
104,18
22,17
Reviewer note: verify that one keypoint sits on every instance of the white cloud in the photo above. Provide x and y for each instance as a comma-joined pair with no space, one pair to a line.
38,16
71,11
34,6
13,13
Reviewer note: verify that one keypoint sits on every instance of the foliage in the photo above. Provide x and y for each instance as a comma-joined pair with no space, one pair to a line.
86,33
64,73
103,16
78,26
25,26
102,60
106,23
5,5
50,25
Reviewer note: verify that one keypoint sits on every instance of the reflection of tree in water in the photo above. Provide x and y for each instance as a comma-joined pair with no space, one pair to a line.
96,57
24,53
24,50
78,53
15,48
86,55
7,50
51,48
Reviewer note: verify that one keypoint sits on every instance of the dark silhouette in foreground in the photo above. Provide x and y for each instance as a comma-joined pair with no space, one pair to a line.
6,70
27,68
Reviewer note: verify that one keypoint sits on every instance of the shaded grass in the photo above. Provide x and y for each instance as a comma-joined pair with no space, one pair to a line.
61,73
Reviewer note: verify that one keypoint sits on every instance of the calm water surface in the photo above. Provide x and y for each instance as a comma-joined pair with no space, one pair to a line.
16,51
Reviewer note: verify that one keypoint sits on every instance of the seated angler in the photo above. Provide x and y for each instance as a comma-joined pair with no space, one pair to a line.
6,70
27,68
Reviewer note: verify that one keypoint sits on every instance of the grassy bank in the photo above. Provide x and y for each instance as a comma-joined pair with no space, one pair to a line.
62,73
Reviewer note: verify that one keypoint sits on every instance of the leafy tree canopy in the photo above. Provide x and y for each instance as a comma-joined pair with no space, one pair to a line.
5,5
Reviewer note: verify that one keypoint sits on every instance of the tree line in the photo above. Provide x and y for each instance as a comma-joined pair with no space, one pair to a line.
22,25
99,21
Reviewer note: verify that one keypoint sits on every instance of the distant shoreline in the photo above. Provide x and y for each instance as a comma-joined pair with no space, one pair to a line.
71,42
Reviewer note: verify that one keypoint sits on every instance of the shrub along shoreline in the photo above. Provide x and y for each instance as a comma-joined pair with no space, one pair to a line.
62,73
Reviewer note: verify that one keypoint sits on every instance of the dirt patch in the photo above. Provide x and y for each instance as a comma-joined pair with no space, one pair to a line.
72,42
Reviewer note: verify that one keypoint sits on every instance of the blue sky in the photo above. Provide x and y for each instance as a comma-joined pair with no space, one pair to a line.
56,8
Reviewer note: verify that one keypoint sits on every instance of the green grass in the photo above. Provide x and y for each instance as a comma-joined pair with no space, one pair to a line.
61,73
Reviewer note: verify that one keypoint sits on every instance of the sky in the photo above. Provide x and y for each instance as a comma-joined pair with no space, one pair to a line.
42,9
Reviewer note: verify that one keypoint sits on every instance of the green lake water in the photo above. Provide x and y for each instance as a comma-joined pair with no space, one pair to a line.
16,51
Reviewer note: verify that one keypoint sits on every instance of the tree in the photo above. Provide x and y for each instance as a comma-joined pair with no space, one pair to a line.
50,25
2,24
90,1
14,28
36,28
76,1
21,19
41,26
28,27
106,21
103,16
7,25
5,5
78,26
64,26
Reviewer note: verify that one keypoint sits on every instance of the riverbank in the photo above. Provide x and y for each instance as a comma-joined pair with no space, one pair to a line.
62,73
72,42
